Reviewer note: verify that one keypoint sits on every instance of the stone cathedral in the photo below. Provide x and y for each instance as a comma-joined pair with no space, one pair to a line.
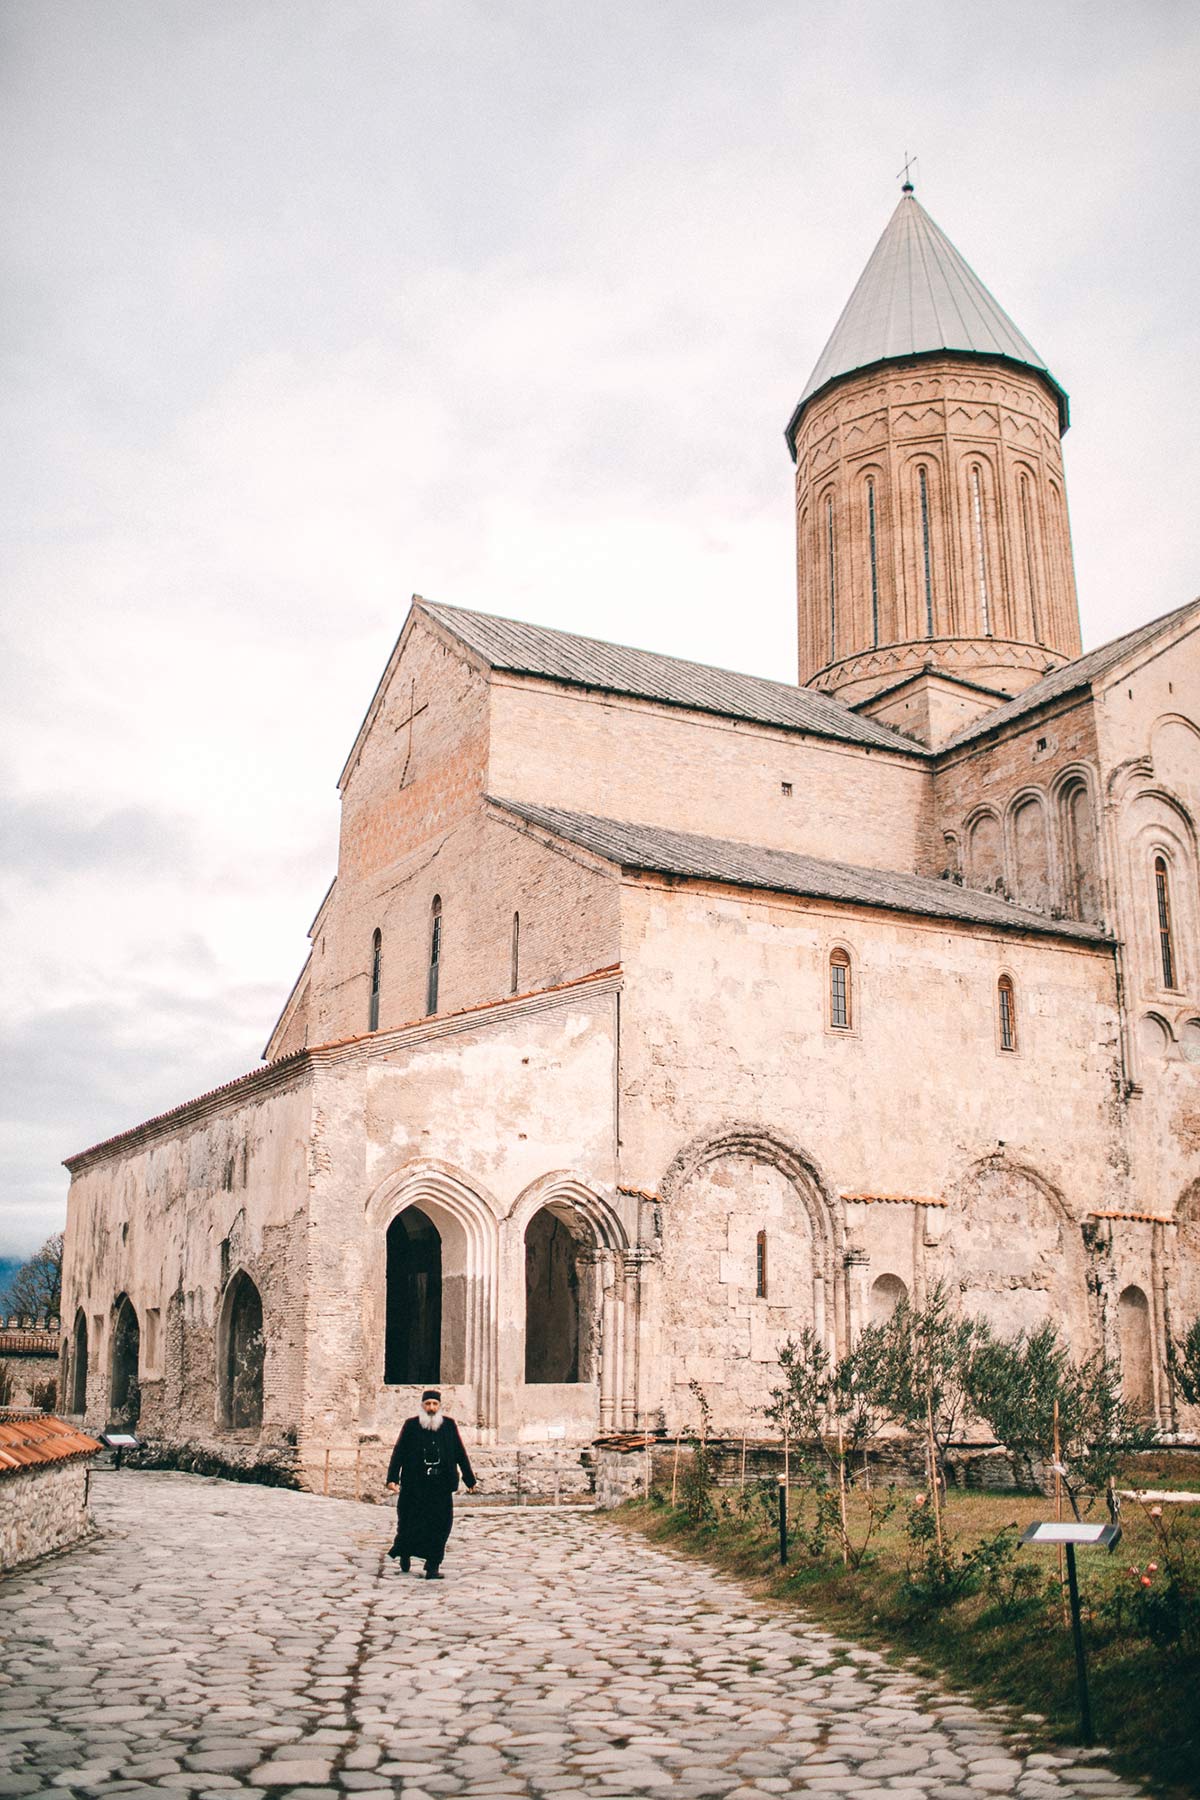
656,1011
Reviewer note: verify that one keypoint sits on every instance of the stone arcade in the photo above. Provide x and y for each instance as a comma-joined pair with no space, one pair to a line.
656,1011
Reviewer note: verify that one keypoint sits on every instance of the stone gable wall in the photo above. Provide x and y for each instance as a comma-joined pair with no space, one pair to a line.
415,828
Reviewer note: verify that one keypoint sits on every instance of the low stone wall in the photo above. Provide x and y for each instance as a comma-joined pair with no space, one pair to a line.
42,1508
900,1462
271,1465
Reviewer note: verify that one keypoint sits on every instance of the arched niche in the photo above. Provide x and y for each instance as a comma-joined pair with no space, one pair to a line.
887,1291
124,1389
79,1363
985,852
241,1354
1080,853
1031,853
1137,1350
720,1198
412,1351
1015,1252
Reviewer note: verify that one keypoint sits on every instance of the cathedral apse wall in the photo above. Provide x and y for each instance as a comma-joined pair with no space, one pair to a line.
833,1169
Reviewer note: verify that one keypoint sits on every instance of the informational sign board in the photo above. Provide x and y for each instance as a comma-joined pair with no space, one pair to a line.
1071,1531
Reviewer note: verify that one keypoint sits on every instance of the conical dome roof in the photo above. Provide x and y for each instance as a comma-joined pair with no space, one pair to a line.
915,297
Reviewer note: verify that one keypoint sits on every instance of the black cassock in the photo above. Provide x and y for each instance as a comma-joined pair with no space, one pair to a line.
426,1464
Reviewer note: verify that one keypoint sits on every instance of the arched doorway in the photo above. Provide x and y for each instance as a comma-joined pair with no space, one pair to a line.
551,1300
125,1394
79,1364
413,1320
241,1354
887,1291
1137,1354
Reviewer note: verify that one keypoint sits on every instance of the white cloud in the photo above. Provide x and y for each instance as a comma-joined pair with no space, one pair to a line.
313,306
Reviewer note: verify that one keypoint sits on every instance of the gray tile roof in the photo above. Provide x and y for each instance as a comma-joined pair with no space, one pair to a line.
1078,674
917,295
613,668
652,848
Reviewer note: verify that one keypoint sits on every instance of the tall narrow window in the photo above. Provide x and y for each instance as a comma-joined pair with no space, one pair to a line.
435,955
926,552
1008,1013
980,549
1162,897
832,580
871,539
376,981
760,1265
839,991
1027,535
516,951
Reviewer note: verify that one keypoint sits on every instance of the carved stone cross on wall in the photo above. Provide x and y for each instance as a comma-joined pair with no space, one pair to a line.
406,724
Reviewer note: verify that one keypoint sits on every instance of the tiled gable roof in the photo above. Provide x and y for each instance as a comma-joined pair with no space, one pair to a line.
522,649
1078,674
654,849
32,1443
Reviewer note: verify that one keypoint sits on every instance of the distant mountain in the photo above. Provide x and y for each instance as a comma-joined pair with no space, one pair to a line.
8,1268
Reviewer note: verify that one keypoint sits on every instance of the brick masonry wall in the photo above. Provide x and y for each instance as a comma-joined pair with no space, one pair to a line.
949,418
42,1509
627,759
414,828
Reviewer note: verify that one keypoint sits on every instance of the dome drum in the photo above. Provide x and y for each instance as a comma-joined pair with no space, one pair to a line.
931,523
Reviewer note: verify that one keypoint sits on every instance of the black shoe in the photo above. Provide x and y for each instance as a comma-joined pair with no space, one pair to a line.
405,1564
433,1574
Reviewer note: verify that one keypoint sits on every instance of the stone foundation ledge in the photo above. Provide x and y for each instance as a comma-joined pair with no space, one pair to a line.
270,1465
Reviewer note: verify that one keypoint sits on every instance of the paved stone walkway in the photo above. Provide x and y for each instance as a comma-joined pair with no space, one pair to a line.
220,1640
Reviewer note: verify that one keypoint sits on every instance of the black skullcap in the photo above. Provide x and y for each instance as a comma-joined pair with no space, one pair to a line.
430,1394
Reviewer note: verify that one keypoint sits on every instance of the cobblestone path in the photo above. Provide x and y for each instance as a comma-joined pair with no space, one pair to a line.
218,1639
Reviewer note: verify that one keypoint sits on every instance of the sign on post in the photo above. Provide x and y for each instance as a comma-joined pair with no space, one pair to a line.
1071,1532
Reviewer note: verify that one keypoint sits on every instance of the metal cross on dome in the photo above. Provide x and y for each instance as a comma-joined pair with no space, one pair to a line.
905,171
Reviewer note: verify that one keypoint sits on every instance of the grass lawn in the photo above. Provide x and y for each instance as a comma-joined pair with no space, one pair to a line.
1004,1639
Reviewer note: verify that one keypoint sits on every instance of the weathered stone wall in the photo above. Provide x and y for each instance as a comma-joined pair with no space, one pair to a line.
42,1509
903,1147
167,1219
24,1376
629,759
479,1122
1011,818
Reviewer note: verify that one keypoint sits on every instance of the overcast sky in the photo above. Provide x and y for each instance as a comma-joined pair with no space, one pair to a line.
312,304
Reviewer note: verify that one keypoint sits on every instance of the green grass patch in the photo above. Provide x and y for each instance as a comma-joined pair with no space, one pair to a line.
1004,1638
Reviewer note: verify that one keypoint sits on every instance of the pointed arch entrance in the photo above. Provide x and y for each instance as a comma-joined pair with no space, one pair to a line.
577,1353
124,1391
431,1296
241,1350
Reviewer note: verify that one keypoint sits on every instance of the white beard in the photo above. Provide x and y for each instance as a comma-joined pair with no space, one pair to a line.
430,1421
